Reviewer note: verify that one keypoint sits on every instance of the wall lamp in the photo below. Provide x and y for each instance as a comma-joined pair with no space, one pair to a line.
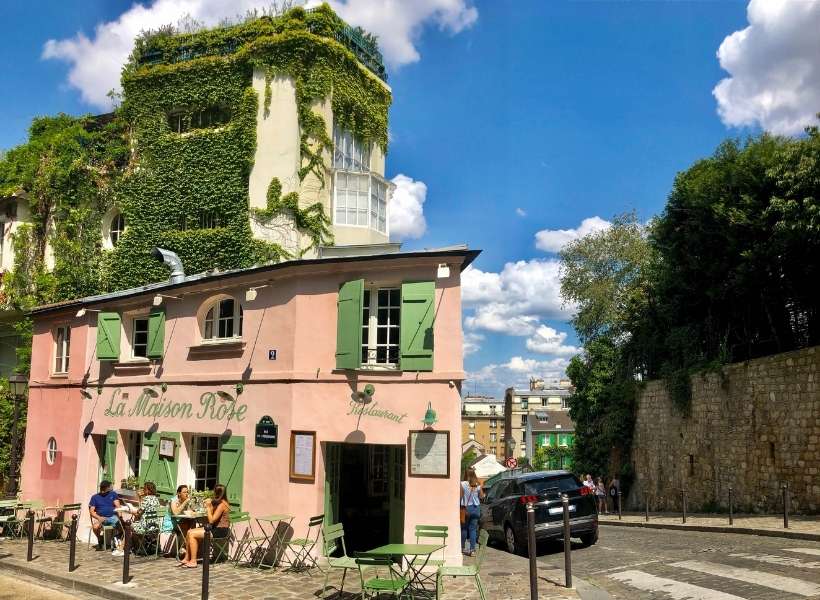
443,271
82,312
250,293
158,299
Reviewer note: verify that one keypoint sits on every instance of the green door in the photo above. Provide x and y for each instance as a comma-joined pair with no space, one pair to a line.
396,468
162,471
333,461
110,456
231,468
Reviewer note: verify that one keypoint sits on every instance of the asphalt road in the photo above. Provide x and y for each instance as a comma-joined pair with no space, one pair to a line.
658,564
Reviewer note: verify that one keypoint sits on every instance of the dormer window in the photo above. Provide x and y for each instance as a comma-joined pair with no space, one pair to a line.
223,320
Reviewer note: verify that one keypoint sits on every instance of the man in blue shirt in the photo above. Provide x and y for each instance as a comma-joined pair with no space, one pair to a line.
102,507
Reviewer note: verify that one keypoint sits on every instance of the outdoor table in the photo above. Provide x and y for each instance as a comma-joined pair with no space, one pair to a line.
409,550
275,540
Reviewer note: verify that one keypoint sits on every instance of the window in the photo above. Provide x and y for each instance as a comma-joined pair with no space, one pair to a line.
209,220
204,462
564,403
212,116
134,452
223,320
563,440
380,326
378,205
493,450
523,438
350,153
139,338
523,420
62,338
493,423
471,436
691,465
117,228
544,401
547,440
493,437
472,424
492,409
525,403
352,191
51,451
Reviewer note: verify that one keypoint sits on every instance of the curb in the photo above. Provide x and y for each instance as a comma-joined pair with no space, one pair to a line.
103,591
793,535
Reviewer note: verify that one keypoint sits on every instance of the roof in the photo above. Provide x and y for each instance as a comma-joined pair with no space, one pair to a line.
212,277
542,393
554,419
481,400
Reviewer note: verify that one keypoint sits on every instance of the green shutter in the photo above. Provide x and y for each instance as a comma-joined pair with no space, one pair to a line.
161,471
110,456
231,468
156,333
349,325
417,318
108,336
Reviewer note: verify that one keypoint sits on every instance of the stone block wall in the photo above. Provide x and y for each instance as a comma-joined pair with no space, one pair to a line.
753,426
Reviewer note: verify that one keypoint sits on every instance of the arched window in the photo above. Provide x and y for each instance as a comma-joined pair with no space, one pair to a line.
51,451
117,227
113,226
223,320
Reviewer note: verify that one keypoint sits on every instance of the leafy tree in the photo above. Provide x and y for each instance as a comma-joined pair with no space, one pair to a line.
467,458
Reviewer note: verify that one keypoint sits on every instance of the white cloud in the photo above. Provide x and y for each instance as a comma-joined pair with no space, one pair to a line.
472,342
517,372
407,208
547,340
773,66
552,240
496,317
521,212
96,60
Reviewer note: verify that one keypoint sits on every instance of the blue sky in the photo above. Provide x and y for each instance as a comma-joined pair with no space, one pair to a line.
518,117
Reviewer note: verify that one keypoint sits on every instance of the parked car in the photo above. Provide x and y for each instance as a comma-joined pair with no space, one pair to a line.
504,509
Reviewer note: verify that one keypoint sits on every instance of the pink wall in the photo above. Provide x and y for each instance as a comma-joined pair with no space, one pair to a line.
296,315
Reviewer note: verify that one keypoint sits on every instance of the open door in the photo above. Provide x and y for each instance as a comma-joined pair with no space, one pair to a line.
110,456
333,463
396,491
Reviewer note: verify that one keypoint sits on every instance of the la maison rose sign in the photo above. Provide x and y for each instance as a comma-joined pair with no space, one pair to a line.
216,406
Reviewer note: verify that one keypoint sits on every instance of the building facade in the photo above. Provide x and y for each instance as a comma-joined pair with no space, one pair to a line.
482,421
520,404
551,429
336,359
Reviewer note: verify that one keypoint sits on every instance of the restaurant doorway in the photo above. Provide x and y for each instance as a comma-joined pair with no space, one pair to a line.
364,490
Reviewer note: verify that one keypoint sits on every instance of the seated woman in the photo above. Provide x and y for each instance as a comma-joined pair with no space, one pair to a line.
218,512
146,517
179,505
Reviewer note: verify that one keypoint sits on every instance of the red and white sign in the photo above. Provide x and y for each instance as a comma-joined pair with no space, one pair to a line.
511,462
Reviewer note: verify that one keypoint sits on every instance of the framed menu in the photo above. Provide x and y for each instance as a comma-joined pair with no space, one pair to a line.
303,456
428,454
167,447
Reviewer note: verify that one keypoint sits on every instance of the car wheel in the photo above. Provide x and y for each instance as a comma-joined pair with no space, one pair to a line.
590,539
509,538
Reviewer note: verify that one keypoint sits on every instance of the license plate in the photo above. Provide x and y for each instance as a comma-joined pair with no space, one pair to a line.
557,510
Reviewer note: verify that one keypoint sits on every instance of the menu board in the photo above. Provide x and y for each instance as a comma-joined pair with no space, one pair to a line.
303,455
428,454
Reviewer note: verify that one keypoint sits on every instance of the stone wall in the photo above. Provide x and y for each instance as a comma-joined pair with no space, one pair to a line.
753,426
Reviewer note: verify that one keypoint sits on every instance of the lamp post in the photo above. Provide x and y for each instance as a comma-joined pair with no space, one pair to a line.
510,446
18,386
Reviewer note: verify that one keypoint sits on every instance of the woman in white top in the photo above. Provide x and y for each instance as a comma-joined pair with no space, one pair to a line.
471,494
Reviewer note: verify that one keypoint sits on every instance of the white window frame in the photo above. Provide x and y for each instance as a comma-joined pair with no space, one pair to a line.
51,450
62,350
349,152
371,326
211,317
211,453
117,228
493,437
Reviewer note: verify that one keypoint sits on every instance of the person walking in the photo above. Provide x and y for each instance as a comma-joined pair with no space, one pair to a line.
614,492
600,494
471,494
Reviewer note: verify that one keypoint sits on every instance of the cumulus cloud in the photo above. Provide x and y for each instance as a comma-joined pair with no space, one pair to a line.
95,60
546,340
472,342
774,72
517,372
407,208
552,240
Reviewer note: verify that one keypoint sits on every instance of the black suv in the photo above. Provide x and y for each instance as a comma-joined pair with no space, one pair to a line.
504,509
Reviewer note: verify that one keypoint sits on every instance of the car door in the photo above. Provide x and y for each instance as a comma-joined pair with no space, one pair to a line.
489,508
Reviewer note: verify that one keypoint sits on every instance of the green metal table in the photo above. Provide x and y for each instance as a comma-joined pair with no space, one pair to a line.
275,542
414,567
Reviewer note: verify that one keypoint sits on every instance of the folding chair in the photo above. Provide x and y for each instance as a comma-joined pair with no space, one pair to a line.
148,543
61,524
301,548
221,547
333,535
467,570
395,583
430,532
12,523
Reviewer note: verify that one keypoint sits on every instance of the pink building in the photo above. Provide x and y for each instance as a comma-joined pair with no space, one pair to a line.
187,381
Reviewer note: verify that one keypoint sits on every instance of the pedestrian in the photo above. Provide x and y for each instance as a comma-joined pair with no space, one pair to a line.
600,494
614,493
588,482
471,494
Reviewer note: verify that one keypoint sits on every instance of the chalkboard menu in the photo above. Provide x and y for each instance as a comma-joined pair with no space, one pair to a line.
267,433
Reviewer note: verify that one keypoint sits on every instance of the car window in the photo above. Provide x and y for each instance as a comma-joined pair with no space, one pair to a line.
498,490
551,485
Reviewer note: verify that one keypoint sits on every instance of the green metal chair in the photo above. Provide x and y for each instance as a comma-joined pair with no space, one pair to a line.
56,527
467,570
334,536
12,523
301,548
394,583
149,543
221,547
438,533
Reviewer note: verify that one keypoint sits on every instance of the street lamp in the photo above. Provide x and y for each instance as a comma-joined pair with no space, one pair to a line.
510,446
18,386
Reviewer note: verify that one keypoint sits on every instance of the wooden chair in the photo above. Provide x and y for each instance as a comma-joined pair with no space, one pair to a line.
334,536
467,570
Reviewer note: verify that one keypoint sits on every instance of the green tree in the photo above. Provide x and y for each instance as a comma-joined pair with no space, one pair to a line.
466,459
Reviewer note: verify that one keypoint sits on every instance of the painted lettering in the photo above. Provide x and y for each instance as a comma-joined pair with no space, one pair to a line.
373,410
216,406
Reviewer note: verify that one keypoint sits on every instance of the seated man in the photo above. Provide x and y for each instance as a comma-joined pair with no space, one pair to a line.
101,508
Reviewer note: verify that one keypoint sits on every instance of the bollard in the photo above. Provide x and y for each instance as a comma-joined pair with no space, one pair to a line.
532,551
620,499
72,543
785,506
30,549
206,561
567,543
646,506
731,513
683,500
126,557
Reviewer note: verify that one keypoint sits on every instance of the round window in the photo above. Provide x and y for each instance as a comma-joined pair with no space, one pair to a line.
51,451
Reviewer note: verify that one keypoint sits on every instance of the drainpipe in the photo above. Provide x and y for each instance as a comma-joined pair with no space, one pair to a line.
173,261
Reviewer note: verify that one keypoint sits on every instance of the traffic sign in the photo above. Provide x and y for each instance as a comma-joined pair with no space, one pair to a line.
511,462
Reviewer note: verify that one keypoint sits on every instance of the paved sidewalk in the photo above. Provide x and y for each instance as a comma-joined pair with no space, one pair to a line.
504,576
800,527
